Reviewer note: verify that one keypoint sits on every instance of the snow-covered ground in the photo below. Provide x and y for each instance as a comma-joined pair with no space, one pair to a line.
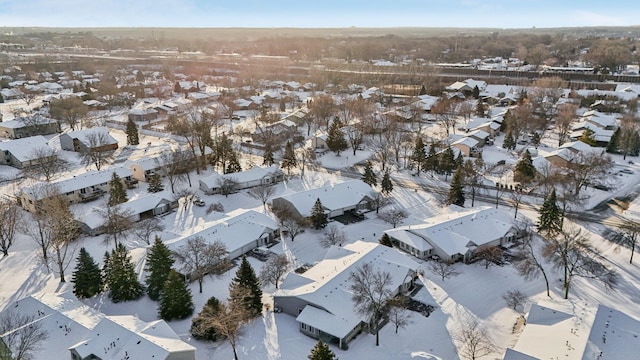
476,292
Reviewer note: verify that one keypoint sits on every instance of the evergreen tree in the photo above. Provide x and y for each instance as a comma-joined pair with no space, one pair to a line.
431,161
87,277
456,191
418,157
335,138
550,221
233,165
480,108
175,299
159,262
524,170
612,146
106,269
369,177
155,183
386,186
476,92
386,240
447,162
132,133
459,161
588,137
123,280
245,289
318,216
289,160
117,193
509,141
321,352
199,329
267,156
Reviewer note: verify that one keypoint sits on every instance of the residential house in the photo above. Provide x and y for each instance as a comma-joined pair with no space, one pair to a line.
143,114
11,94
81,188
256,176
468,146
456,236
145,167
336,199
277,132
467,86
569,152
25,152
84,333
320,298
240,231
95,139
480,135
28,126
576,331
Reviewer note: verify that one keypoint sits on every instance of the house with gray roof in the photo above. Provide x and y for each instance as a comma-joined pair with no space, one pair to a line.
28,126
25,152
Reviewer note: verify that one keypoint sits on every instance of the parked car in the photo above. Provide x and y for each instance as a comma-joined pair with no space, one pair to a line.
198,202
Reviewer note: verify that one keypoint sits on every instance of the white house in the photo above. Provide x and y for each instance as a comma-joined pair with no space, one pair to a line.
25,152
28,126
336,198
241,231
92,138
320,298
256,176
457,235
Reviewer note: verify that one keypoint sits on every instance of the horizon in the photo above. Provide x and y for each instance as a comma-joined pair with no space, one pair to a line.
330,14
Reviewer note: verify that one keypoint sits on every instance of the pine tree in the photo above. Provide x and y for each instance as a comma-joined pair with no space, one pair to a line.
175,299
117,193
132,133
456,191
318,216
524,170
321,352
123,280
386,186
480,108
447,162
159,262
267,156
335,138
106,269
550,221
509,141
418,157
87,277
588,137
245,289
234,165
431,162
386,240
476,92
289,160
369,177
155,183
201,330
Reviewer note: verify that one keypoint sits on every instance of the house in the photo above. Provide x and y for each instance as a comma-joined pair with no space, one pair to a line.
569,152
277,132
25,152
468,146
145,167
28,126
11,94
455,236
81,188
480,135
143,114
320,298
143,207
576,331
256,176
240,231
84,333
467,86
94,139
337,199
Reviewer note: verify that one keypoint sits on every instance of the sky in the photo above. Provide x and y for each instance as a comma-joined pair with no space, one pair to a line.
319,14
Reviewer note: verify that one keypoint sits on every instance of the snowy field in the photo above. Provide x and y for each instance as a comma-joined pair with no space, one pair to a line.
476,292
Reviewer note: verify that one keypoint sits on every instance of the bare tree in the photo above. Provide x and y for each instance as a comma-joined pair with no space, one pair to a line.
490,255
97,150
442,269
332,236
586,167
514,299
28,95
397,312
45,164
200,258
69,111
276,266
571,253
263,193
443,110
548,91
473,339
170,163
227,322
393,216
227,185
116,223
474,172
63,230
378,200
629,236
371,291
147,227
564,119
528,262
10,219
290,221
23,335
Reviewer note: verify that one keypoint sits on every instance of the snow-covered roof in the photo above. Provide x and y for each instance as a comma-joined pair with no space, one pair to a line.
479,134
333,197
23,149
614,334
477,121
467,141
237,230
90,178
94,218
409,238
327,286
22,122
255,173
127,337
84,135
456,233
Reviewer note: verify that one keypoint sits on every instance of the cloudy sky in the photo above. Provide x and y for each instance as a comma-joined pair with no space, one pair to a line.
320,13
